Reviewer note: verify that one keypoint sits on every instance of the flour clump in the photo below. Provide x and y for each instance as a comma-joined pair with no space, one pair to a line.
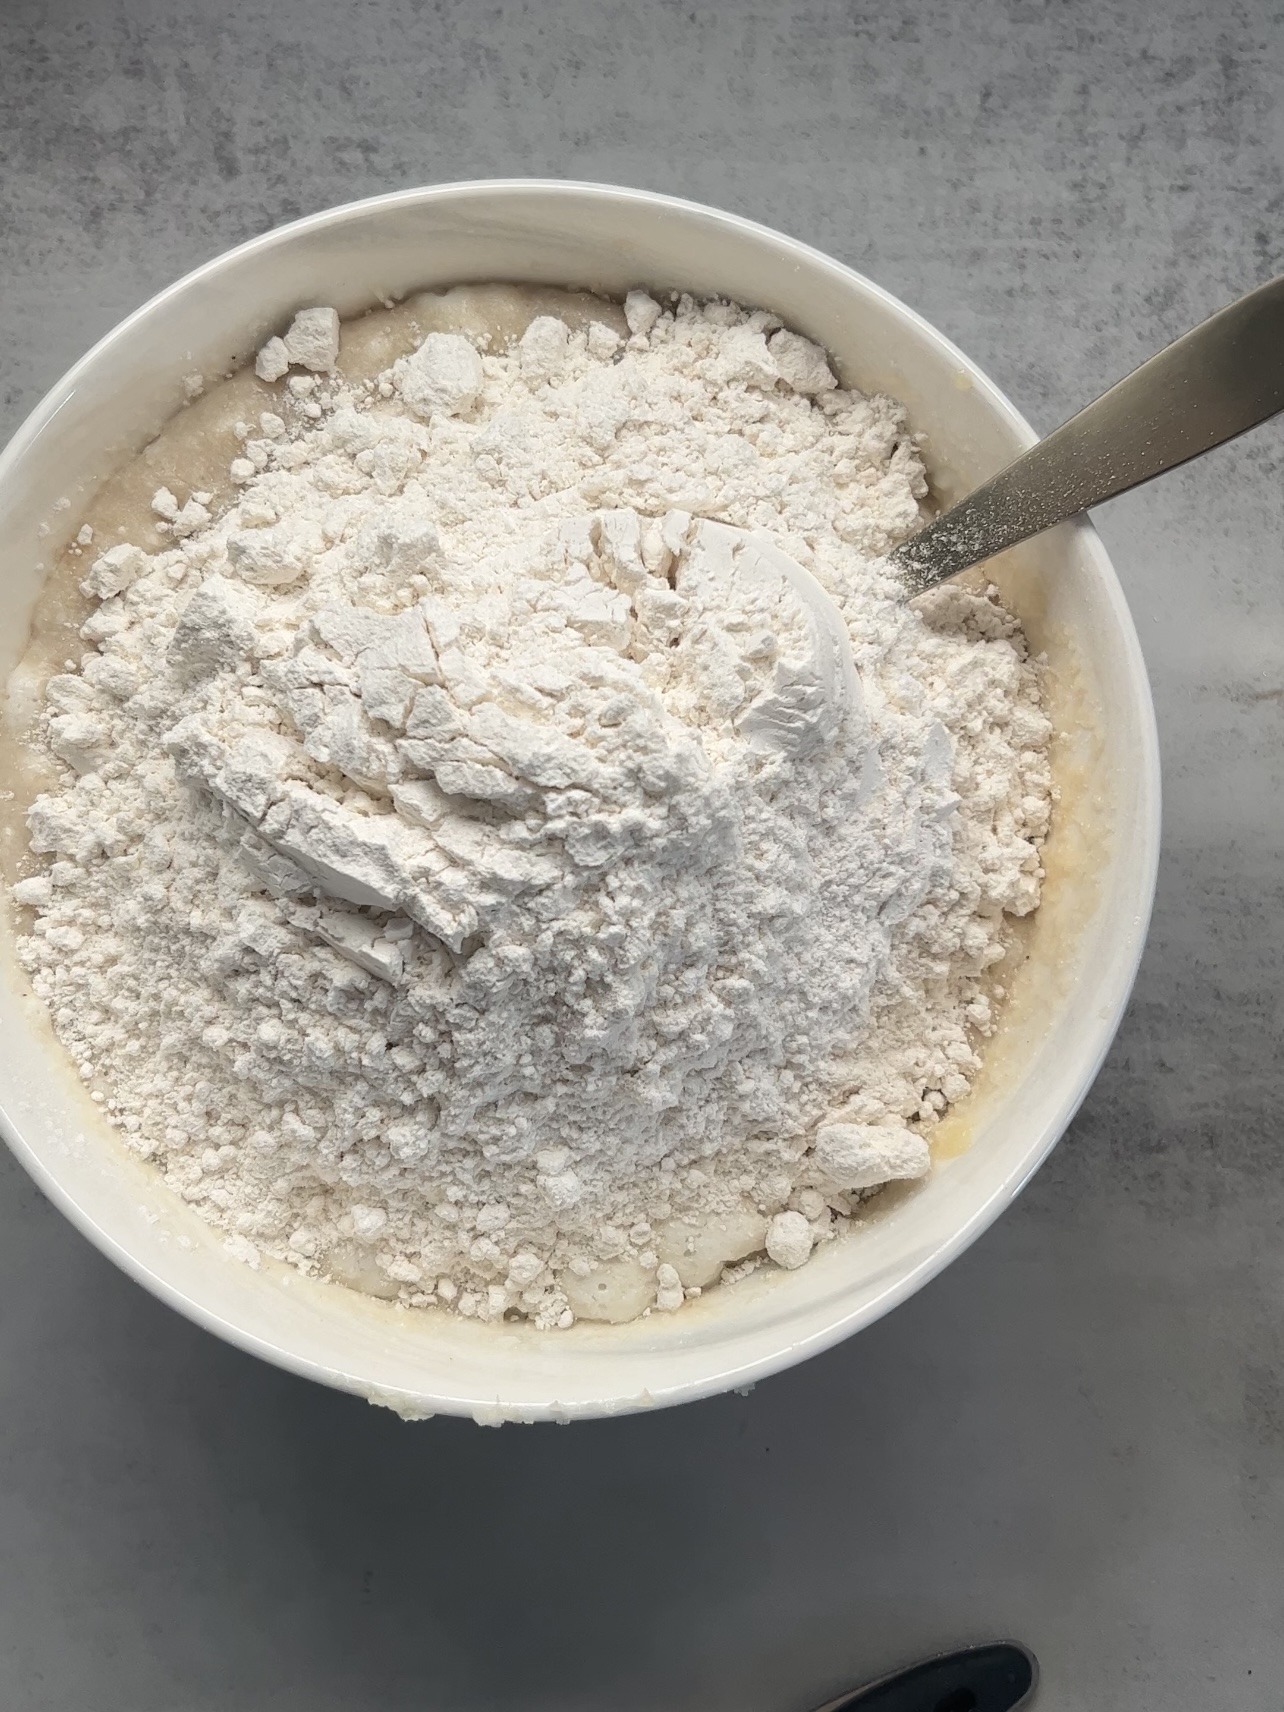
475,875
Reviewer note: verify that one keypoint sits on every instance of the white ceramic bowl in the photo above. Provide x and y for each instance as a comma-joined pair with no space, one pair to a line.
1066,1000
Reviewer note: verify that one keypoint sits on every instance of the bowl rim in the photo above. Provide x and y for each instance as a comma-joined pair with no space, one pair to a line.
788,1351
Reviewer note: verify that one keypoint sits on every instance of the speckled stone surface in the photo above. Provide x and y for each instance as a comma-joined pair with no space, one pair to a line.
1076,1435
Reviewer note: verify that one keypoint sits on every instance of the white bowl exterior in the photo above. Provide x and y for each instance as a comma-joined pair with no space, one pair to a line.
605,239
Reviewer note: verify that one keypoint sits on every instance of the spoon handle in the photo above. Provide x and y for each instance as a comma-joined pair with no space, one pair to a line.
1221,378
997,1678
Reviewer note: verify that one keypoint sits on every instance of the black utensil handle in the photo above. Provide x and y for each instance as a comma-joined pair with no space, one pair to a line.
995,1678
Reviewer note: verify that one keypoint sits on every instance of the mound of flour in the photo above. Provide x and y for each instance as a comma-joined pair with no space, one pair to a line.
470,882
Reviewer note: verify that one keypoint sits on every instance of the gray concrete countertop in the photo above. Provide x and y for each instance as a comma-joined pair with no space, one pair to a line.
1076,1435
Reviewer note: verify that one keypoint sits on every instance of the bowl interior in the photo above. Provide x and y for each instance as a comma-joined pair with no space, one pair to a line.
1083,947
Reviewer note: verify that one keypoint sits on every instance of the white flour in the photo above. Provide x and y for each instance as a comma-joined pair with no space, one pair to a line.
471,882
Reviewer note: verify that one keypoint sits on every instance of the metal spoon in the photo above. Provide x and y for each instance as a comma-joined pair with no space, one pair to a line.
1221,378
